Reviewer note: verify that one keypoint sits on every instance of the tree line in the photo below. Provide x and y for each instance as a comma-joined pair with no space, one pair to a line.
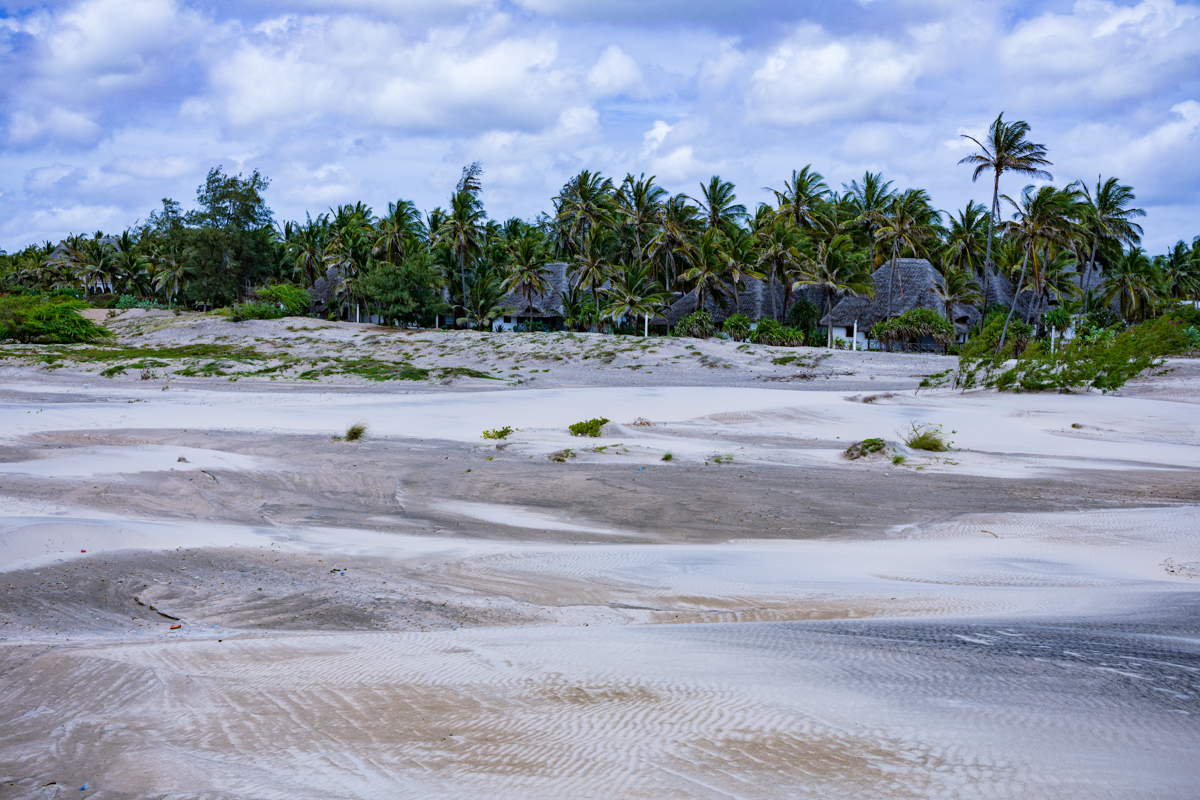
632,247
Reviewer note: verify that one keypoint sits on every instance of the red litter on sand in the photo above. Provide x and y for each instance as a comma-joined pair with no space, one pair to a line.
173,627
83,551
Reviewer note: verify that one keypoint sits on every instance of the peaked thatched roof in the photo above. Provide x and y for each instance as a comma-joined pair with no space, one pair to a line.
547,303
915,285
757,300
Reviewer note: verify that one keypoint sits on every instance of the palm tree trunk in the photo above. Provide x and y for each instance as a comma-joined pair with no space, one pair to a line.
1087,276
987,259
1013,307
829,312
595,310
462,271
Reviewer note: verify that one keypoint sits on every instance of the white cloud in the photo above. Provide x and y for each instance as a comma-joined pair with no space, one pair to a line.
813,78
614,73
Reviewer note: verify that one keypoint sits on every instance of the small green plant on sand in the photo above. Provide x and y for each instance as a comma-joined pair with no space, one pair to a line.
925,436
866,447
499,433
898,460
667,457
562,455
589,427
356,431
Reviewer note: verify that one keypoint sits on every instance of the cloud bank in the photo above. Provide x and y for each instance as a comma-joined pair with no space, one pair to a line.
109,105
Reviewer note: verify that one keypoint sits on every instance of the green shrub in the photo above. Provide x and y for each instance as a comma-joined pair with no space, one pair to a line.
698,325
804,314
737,327
589,427
770,332
247,311
866,447
667,457
42,320
292,299
913,326
498,433
126,301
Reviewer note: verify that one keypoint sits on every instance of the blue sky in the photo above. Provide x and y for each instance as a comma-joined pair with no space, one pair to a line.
109,105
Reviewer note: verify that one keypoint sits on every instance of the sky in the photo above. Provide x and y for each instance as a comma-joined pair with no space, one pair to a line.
108,106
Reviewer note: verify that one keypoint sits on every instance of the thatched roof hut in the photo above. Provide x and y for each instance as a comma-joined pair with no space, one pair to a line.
915,285
547,304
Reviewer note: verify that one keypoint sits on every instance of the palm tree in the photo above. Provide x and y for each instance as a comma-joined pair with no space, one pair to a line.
638,203
678,222
1108,220
481,305
633,293
779,253
966,238
398,232
801,196
910,222
1042,217
1131,282
1180,270
959,288
461,230
526,273
307,245
740,260
584,204
708,265
837,267
592,267
719,204
1006,150
867,202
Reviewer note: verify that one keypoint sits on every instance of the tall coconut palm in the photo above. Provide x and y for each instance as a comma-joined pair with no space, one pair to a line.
1180,270
1042,217
779,252
740,262
526,272
1108,219
718,202
966,238
867,202
483,303
1004,149
638,202
837,268
592,267
707,265
678,222
910,223
1132,282
801,197
398,232
461,230
587,202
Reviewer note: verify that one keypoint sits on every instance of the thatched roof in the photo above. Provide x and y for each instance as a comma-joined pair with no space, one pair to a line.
916,285
757,300
547,303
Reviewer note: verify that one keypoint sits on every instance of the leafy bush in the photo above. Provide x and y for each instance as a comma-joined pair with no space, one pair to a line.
1057,318
985,341
589,427
926,437
1103,359
1102,317
804,314
770,332
498,433
913,326
126,301
698,325
247,311
41,320
293,300
737,327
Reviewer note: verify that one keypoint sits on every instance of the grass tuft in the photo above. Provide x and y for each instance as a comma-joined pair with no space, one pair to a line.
356,431
866,447
898,460
667,457
926,437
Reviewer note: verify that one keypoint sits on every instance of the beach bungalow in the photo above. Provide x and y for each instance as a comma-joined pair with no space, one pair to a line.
547,305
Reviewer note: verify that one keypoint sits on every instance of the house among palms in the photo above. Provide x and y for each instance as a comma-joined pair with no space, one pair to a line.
914,283
546,306
757,300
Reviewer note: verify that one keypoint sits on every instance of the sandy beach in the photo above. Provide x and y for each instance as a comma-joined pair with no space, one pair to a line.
204,593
